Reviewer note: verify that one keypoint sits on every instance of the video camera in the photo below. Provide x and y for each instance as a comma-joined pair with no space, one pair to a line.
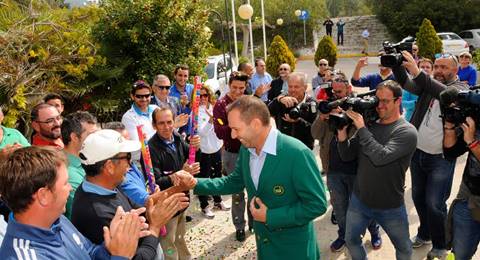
457,105
365,104
393,52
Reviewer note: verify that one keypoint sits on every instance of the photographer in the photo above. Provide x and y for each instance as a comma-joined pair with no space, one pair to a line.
341,175
465,209
294,113
432,173
383,151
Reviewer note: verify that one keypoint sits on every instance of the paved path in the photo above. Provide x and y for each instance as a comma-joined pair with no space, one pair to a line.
215,239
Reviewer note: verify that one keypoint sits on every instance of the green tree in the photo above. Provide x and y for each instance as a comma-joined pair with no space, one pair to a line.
326,49
147,37
43,49
403,17
428,41
279,53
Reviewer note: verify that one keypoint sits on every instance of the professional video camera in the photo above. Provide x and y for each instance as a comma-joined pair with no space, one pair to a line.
364,104
457,105
301,110
393,56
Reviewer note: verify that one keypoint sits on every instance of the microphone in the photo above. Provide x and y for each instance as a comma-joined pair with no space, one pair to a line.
448,96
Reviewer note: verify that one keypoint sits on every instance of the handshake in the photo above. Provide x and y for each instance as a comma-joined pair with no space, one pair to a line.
183,180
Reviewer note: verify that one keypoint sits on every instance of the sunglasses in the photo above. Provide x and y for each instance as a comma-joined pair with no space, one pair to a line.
204,95
283,69
146,96
127,157
162,87
322,64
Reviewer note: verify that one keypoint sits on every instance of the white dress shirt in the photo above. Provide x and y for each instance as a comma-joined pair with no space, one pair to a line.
257,161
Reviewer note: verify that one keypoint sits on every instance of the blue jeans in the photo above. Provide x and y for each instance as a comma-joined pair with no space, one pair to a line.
341,187
393,221
432,177
466,232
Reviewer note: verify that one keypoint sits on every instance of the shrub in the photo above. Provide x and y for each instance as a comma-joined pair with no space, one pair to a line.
428,41
326,49
279,53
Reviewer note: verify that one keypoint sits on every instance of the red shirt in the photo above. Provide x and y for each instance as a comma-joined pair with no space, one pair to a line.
40,141
220,123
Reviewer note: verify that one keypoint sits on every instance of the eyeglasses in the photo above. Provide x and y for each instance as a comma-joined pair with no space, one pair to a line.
146,96
280,69
50,121
204,95
162,87
322,64
127,157
386,101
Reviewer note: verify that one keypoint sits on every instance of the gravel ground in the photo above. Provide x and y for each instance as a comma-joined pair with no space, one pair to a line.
215,238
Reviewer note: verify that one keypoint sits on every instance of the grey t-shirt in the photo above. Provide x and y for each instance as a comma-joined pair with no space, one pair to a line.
383,153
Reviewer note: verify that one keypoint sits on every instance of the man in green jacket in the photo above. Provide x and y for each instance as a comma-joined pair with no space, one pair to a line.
280,173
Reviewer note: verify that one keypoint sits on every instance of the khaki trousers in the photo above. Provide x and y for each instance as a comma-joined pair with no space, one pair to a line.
173,244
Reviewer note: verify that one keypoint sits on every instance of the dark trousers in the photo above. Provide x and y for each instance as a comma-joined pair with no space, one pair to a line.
210,167
329,32
340,38
432,177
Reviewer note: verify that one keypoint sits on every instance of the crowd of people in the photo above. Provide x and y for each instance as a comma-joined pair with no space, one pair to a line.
84,192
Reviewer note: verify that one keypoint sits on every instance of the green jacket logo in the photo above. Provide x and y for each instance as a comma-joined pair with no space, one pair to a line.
278,190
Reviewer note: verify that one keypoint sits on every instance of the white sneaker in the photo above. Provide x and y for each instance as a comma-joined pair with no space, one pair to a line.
207,212
221,206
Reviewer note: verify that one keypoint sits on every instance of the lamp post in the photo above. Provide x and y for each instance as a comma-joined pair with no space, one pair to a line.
245,12
264,35
228,32
223,35
279,21
234,32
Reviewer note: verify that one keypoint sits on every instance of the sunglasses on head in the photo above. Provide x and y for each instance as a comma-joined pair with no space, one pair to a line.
142,96
446,56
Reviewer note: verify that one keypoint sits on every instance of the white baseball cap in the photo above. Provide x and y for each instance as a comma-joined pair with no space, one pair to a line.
105,144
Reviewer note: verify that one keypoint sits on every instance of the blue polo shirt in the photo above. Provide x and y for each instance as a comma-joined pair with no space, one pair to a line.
371,81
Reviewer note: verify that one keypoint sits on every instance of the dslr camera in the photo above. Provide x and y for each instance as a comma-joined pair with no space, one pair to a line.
393,56
301,110
365,104
457,105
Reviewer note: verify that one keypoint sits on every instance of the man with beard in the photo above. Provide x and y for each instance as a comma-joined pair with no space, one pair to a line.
383,151
46,122
371,80
432,173
285,189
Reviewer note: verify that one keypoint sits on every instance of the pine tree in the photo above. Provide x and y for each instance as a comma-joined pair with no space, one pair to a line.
428,41
326,49
279,53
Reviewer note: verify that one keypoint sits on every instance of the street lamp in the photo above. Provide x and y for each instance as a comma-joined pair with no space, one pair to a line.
279,21
264,35
245,12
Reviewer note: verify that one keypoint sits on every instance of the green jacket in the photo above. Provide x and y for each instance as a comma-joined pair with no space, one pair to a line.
291,187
